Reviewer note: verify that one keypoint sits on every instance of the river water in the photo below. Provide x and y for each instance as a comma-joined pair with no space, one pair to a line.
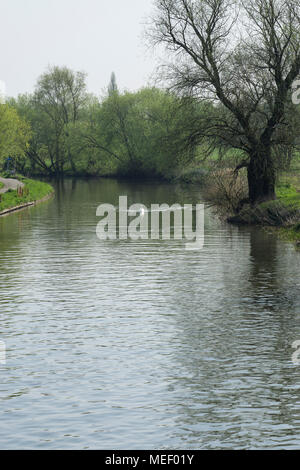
142,344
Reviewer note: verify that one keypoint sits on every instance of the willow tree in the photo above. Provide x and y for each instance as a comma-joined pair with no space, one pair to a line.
55,107
244,55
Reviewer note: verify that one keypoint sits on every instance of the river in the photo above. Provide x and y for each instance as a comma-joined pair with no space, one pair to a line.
143,344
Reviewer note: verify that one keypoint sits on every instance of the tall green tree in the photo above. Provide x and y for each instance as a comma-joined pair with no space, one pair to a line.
112,87
55,107
15,134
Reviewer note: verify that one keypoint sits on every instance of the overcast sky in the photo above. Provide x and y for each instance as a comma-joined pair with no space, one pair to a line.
97,36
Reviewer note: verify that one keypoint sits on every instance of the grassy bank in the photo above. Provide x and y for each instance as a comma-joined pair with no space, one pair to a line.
289,195
225,192
31,192
281,215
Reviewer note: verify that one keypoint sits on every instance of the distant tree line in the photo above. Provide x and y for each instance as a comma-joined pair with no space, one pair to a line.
141,134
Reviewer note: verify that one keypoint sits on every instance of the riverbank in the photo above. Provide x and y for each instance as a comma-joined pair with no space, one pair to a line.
281,215
29,192
224,192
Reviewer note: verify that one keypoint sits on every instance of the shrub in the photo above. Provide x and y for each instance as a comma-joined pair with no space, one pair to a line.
226,189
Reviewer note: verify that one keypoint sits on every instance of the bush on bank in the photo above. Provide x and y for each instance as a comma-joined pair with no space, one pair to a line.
225,190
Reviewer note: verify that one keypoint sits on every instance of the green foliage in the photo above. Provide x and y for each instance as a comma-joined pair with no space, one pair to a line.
14,134
147,133
142,134
52,110
288,195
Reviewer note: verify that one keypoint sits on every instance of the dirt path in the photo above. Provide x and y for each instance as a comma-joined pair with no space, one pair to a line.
9,183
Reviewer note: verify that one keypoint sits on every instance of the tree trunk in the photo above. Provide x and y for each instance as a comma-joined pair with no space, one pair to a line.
261,176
